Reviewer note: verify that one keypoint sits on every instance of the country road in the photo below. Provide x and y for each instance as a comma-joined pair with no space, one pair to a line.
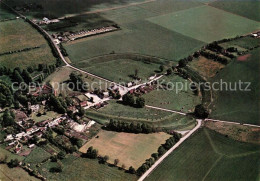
167,110
159,161
230,122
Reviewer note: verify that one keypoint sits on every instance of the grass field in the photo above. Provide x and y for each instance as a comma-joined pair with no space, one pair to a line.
5,14
239,106
7,174
205,67
193,23
242,43
4,152
37,156
17,35
175,98
154,117
49,115
208,155
235,131
76,168
248,8
130,149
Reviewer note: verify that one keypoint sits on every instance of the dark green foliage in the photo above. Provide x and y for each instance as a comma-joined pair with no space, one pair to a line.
128,99
26,76
131,170
13,163
17,77
6,94
201,111
8,118
140,102
91,153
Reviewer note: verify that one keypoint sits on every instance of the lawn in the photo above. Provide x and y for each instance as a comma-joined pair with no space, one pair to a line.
7,174
216,25
239,106
176,97
157,118
206,67
247,8
18,35
139,37
131,149
37,156
49,115
76,168
208,155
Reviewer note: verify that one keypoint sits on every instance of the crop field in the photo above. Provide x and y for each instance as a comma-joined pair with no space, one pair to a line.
178,97
7,174
241,105
18,35
131,149
193,23
77,168
247,8
208,155
205,67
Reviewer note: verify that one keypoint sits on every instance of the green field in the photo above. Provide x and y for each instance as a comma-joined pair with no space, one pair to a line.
5,14
37,156
179,97
208,155
155,117
131,149
216,25
238,106
76,168
242,43
247,8
18,35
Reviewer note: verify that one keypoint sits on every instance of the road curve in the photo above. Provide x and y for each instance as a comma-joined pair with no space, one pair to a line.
150,170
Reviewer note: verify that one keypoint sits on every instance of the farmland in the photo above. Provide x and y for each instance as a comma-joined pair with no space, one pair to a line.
77,168
239,106
174,98
131,149
208,155
17,35
247,8
5,14
37,156
229,26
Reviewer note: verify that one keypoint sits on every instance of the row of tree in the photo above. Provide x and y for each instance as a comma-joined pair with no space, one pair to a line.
121,126
161,150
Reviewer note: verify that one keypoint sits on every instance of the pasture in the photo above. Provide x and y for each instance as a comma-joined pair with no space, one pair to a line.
177,97
248,8
244,43
131,149
37,156
194,24
206,67
17,35
208,155
77,168
241,105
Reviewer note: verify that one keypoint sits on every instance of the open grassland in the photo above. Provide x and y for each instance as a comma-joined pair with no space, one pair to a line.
4,153
216,25
9,174
37,156
131,149
208,155
240,105
136,37
119,70
18,35
206,67
5,14
59,79
247,8
156,118
76,168
177,97
237,132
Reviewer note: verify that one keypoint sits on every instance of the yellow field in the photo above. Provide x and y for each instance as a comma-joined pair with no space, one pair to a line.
130,149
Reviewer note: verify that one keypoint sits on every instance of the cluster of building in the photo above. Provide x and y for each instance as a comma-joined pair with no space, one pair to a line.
46,21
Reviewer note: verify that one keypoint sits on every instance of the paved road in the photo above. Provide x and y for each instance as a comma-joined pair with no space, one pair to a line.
168,110
148,172
229,122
